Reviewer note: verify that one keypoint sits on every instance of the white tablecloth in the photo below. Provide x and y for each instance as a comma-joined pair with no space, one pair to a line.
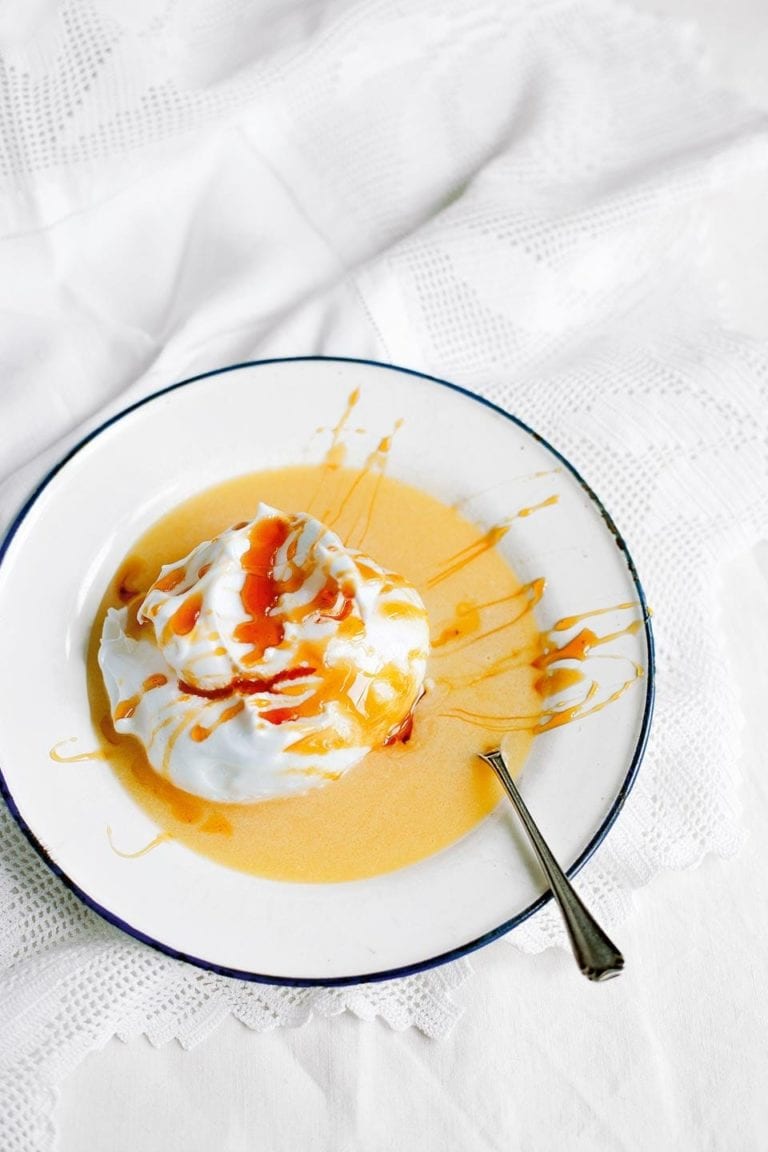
671,1056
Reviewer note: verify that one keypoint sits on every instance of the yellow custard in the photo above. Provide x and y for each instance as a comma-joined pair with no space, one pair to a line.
403,802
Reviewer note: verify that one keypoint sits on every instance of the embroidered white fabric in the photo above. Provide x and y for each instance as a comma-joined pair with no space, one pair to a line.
512,196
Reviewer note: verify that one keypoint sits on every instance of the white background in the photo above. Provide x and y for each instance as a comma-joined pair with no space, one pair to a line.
671,1056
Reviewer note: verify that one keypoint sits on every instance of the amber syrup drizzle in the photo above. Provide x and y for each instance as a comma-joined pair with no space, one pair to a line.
491,538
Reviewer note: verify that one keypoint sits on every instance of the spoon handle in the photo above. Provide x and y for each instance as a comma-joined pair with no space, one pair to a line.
597,956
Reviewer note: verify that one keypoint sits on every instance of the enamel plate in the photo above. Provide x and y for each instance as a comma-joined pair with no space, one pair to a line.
63,549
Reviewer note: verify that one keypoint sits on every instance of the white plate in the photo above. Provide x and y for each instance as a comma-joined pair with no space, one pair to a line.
64,547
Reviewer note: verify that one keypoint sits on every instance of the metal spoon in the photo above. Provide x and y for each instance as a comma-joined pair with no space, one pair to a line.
596,955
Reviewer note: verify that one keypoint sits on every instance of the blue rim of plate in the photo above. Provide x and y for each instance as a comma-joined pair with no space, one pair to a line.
462,949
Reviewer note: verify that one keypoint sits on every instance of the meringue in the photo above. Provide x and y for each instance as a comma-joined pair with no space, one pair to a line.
268,661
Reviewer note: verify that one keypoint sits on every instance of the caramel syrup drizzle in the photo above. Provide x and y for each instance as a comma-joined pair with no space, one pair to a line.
199,732
188,721
491,538
567,622
96,754
263,628
184,807
161,838
537,723
579,647
465,500
510,662
126,708
555,680
544,721
376,465
128,582
467,618
337,449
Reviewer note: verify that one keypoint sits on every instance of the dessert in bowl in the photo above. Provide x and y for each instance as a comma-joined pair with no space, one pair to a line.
282,692
403,858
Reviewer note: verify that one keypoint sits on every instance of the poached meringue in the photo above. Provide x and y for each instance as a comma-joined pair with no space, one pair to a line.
267,662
